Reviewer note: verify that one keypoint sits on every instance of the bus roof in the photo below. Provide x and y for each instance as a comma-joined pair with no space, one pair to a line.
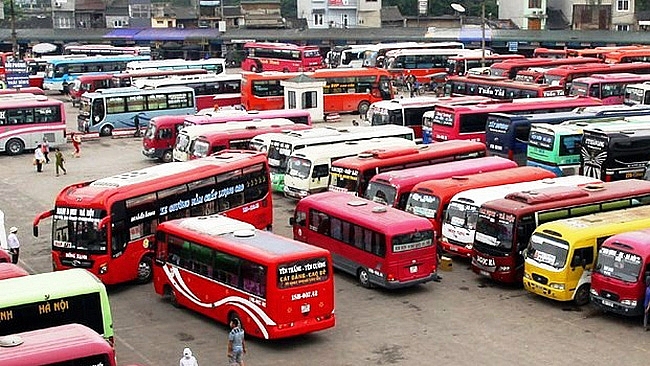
147,63
522,104
540,61
594,68
247,129
10,270
450,186
432,51
35,101
522,203
290,46
392,156
222,115
595,225
381,218
479,196
262,246
412,176
342,148
598,124
617,76
99,93
97,59
58,343
91,77
631,241
317,74
616,132
428,101
32,288
325,134
178,80
197,130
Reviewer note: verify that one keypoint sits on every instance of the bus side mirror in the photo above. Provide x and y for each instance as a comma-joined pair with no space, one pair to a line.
583,263
292,221
35,231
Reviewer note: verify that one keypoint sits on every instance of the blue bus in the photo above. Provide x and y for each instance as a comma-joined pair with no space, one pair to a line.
59,73
507,134
107,110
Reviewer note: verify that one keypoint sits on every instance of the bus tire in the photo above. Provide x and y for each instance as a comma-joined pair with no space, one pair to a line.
145,270
167,156
171,295
14,147
581,296
363,108
106,130
364,278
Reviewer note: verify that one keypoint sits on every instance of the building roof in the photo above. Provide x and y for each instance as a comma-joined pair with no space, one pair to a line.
391,14
90,5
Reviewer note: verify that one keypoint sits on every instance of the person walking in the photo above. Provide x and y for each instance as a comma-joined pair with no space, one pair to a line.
45,146
136,123
236,344
646,303
58,157
39,158
13,244
188,359
76,142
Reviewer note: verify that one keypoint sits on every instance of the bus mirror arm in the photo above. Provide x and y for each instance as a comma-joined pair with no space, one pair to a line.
103,222
38,219
292,221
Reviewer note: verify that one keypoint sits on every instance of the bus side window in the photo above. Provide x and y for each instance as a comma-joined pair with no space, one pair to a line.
165,133
119,242
320,171
301,218
582,256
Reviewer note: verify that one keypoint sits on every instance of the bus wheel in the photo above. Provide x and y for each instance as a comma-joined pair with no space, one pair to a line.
14,147
364,278
107,130
167,156
171,295
363,108
145,270
582,295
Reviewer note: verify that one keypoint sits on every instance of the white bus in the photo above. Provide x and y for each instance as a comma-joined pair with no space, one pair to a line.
459,222
637,94
283,145
308,169
212,65
188,135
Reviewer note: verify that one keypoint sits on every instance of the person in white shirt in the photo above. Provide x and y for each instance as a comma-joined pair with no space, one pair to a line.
13,244
188,359
39,158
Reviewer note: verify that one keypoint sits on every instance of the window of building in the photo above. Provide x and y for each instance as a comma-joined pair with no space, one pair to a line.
623,5
344,20
318,19
535,4
292,99
309,100
623,27
139,11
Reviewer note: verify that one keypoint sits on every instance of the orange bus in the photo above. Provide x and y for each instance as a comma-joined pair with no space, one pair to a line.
352,174
510,68
630,55
345,90
226,269
379,245
107,226
64,345
430,198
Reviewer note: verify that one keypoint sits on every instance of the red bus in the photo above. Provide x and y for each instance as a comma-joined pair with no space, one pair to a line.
393,187
380,245
210,90
542,52
564,75
618,280
345,90
352,174
138,77
467,122
10,270
107,226
498,87
285,57
458,65
510,68
226,269
27,90
629,55
531,75
505,225
430,198
212,142
88,83
160,136
610,88
63,345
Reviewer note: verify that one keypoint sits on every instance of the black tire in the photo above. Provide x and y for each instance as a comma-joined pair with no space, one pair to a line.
106,130
582,295
364,278
167,156
14,147
145,270
363,108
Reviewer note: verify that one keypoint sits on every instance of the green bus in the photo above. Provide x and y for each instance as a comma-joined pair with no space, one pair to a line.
55,298
557,147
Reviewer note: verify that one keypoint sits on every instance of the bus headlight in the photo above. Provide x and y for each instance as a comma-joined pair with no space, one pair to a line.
593,292
556,286
528,276
629,303
103,268
470,246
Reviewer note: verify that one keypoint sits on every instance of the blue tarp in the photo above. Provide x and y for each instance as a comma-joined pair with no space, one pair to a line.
126,33
175,34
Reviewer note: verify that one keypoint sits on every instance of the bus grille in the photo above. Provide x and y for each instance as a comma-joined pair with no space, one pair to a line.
609,295
540,279
76,263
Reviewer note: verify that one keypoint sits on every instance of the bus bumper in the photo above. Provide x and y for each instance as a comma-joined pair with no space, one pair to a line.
495,273
295,193
309,325
635,309
391,285
463,251
153,153
546,291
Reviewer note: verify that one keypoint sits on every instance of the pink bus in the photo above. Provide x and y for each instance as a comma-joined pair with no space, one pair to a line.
161,134
286,57
393,187
610,88
10,270
70,344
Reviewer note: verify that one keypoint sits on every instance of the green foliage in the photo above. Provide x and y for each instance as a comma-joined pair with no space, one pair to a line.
289,8
642,5
442,7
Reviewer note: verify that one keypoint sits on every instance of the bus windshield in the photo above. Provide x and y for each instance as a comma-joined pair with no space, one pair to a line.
412,241
619,264
381,193
78,229
541,140
299,167
423,205
545,250
462,215
495,229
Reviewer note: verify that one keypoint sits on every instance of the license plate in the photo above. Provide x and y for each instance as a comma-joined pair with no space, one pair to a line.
305,308
413,269
485,273
608,303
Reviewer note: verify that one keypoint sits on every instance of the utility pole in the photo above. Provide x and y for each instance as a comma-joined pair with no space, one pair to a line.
483,34
14,40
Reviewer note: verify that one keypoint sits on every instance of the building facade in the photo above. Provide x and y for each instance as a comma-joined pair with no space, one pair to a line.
340,13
